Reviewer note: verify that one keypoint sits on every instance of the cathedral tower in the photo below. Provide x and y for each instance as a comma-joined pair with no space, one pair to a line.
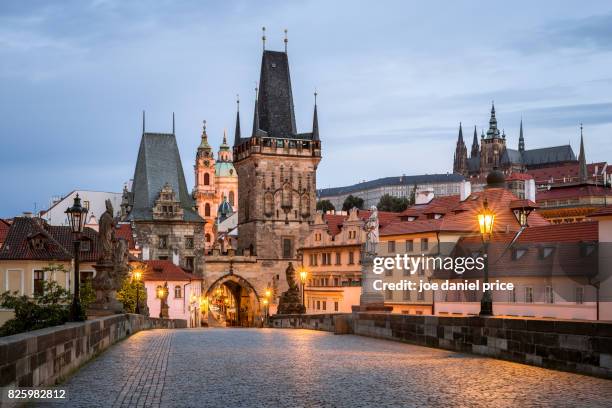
460,162
276,169
492,146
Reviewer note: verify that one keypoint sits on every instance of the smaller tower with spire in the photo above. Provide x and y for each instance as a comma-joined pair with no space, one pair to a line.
521,145
582,165
315,120
475,147
460,160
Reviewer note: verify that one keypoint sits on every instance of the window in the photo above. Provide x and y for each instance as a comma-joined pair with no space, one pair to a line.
86,276
313,259
406,295
287,248
579,295
391,247
86,204
189,242
163,241
85,245
231,198
326,258
157,290
336,281
421,269
518,253
409,245
351,260
388,272
528,294
207,210
352,234
512,296
324,304
421,295
206,179
388,294
38,243
336,306
550,295
162,258
424,244
318,305
338,258
39,278
207,237
177,292
189,263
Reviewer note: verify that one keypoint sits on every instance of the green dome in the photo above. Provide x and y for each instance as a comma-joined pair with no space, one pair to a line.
225,169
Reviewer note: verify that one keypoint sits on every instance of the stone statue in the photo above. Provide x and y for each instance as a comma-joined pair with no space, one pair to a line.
371,229
106,234
290,301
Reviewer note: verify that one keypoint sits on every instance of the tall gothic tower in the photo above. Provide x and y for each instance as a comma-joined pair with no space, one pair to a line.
492,146
276,168
204,192
460,162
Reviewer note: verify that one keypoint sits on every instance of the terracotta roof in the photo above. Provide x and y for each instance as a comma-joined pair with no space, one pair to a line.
439,205
587,231
4,229
569,171
602,212
166,271
519,176
463,216
523,204
335,221
124,231
565,192
57,241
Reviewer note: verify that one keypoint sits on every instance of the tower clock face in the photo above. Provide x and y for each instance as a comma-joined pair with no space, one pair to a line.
206,163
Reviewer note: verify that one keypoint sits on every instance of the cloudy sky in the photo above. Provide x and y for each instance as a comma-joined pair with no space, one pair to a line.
394,81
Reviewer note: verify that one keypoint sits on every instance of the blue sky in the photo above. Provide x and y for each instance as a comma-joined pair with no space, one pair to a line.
394,80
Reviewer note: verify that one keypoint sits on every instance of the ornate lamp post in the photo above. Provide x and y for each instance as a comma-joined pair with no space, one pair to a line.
303,277
76,216
161,294
137,276
486,219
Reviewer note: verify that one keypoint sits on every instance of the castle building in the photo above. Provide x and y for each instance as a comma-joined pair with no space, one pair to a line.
160,208
492,153
214,181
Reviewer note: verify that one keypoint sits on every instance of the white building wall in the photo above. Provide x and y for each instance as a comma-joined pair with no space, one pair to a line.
96,200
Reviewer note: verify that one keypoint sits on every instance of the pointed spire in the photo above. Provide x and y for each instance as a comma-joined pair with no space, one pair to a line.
460,139
263,37
256,114
237,135
521,145
493,131
582,166
315,120
204,143
286,40
143,122
475,147
173,123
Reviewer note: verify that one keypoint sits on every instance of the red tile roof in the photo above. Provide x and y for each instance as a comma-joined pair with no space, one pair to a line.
519,176
166,271
124,231
567,171
576,191
438,205
523,204
57,241
587,231
463,216
4,229
602,212
335,221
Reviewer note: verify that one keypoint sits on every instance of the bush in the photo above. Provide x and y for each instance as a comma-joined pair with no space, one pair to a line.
51,308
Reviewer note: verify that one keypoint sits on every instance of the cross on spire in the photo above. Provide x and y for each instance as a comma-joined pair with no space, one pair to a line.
263,37
286,40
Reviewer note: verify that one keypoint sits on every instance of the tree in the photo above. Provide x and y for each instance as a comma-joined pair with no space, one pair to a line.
325,206
392,204
127,295
352,201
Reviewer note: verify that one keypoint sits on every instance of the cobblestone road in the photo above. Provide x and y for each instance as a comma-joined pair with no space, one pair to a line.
294,368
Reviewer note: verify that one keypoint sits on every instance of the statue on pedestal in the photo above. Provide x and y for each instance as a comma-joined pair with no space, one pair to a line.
290,301
112,267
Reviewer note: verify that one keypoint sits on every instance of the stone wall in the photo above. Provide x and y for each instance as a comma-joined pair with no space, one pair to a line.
43,357
577,346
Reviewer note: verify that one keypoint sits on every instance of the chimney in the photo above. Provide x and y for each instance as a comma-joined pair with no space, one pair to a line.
423,197
27,214
530,190
465,189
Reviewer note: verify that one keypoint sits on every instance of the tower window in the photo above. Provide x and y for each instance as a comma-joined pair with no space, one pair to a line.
178,292
231,198
207,210
287,248
206,179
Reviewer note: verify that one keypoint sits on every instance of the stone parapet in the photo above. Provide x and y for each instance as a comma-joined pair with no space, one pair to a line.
44,357
583,347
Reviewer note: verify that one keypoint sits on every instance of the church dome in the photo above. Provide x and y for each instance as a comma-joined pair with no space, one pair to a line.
496,179
225,169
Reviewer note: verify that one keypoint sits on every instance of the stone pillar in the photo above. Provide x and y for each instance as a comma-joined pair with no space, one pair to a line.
106,302
371,300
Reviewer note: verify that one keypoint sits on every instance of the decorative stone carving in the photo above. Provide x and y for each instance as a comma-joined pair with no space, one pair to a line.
290,301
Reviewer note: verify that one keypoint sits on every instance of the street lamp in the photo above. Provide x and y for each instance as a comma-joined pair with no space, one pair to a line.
161,292
266,305
76,216
137,276
303,277
486,219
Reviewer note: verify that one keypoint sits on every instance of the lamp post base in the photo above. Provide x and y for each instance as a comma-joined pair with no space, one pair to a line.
486,305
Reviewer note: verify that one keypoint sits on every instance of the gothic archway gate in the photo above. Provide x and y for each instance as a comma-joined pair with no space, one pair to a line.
232,301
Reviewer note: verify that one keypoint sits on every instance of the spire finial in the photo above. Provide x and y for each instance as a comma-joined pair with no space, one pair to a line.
204,127
263,37
173,123
286,40
580,129
315,96
224,136
237,102
143,122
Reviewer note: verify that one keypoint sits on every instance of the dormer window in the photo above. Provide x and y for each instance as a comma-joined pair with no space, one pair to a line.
545,252
85,245
518,253
37,243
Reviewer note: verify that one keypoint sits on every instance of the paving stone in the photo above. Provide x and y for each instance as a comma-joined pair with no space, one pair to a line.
304,368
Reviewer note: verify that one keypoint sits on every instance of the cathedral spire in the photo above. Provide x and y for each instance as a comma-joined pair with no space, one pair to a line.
521,139
582,166
173,124
493,131
460,159
315,120
460,139
475,147
204,142
143,122
237,135
256,113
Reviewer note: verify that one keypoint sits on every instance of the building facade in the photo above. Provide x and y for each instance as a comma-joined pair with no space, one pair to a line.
215,181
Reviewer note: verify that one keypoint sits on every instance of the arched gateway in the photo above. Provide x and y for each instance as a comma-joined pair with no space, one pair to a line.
233,301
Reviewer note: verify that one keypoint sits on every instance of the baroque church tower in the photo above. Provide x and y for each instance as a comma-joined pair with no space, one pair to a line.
276,168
